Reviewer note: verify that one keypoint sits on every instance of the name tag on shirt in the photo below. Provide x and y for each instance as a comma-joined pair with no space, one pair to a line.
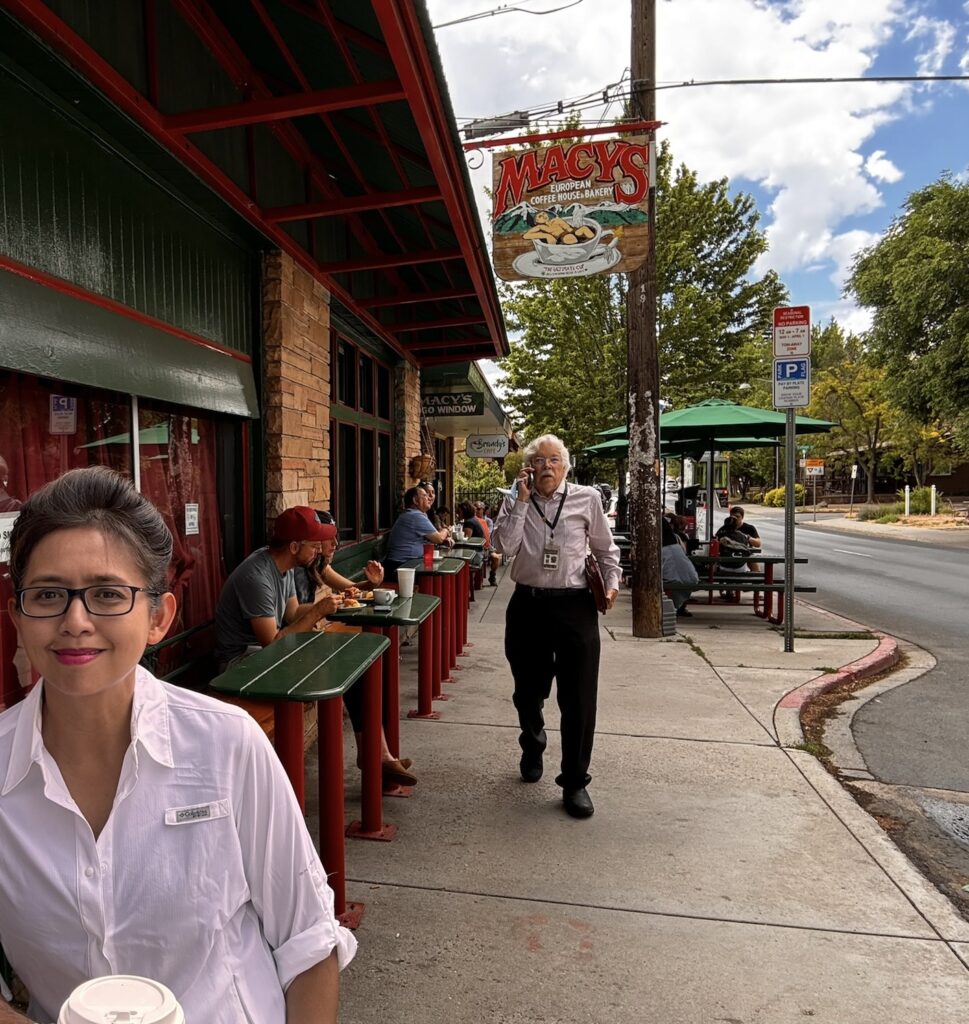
550,558
197,812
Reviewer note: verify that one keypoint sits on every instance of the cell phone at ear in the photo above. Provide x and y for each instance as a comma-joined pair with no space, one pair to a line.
531,478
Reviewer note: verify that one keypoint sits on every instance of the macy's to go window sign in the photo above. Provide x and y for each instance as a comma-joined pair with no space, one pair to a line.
571,211
461,403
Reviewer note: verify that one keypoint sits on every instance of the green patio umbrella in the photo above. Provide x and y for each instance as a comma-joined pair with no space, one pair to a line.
717,419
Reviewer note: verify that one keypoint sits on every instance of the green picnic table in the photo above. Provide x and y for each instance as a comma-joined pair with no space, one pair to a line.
450,625
320,667
404,611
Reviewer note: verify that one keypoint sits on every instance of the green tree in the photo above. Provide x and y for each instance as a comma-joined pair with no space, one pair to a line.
512,465
566,372
713,313
850,387
481,475
916,281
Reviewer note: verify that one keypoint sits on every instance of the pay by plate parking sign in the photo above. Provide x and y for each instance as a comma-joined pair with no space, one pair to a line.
792,382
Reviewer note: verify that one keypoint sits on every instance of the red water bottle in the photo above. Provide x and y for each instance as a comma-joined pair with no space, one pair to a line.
428,556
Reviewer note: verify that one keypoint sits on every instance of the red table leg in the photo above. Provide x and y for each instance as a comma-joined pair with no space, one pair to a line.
372,826
425,658
330,761
443,614
391,659
288,740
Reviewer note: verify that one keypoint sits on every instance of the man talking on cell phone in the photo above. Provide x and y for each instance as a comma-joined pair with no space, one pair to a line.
552,626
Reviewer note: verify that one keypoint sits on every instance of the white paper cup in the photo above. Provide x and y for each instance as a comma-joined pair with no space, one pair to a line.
121,997
405,582
383,597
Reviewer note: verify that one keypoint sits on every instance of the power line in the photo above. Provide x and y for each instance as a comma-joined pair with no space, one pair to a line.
811,81
506,9
605,98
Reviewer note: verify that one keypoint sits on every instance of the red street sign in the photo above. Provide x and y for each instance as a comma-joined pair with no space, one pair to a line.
792,316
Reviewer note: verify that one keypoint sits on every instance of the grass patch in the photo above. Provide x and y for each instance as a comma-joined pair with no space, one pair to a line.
826,669
815,749
807,634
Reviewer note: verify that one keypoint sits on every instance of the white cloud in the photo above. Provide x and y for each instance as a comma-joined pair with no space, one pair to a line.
881,168
939,36
853,318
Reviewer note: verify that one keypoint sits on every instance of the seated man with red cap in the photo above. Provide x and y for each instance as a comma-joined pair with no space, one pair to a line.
258,603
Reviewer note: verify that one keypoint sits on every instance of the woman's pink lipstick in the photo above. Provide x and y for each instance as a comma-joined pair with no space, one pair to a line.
76,655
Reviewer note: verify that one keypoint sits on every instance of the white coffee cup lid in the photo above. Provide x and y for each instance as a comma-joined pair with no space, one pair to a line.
121,999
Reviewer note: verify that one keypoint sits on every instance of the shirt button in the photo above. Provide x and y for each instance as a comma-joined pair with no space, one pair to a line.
89,872
104,867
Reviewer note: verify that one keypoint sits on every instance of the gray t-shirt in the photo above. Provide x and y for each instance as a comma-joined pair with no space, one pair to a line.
255,590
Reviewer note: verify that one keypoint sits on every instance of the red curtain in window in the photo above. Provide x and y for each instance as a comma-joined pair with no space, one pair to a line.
34,454
178,473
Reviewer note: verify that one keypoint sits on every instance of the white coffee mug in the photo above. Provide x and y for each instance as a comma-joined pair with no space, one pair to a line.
405,582
121,997
383,597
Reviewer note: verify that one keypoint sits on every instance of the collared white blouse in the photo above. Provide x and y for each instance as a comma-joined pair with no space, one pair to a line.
204,877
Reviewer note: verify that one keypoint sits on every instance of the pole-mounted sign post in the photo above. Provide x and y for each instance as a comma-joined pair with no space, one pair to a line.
792,390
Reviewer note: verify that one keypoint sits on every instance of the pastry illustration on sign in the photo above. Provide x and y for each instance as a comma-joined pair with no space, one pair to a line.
571,211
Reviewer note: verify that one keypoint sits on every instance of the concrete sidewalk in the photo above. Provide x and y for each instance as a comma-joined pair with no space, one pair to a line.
724,877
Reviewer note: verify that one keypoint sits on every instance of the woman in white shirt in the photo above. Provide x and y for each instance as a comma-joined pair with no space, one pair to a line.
146,829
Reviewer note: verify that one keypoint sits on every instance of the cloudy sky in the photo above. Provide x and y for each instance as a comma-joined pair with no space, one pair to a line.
829,165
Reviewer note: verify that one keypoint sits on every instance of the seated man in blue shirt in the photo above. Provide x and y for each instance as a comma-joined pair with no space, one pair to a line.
411,532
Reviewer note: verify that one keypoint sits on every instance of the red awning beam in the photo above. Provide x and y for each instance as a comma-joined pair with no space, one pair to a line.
402,32
628,128
412,298
433,325
281,108
385,262
353,204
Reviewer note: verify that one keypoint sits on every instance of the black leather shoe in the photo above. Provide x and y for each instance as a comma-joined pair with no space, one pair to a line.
531,768
578,803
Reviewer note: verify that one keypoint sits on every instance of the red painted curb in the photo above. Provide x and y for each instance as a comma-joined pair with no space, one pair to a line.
884,656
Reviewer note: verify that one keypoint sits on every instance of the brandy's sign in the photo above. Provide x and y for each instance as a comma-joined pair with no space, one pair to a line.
572,210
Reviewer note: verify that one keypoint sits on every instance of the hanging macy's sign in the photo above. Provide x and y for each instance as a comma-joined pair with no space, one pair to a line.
571,210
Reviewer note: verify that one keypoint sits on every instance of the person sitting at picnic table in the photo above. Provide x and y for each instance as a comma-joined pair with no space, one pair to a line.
749,531
470,523
677,568
733,544
258,603
315,581
411,531
494,558
146,829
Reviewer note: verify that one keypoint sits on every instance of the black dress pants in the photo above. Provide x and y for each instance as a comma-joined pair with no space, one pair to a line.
555,636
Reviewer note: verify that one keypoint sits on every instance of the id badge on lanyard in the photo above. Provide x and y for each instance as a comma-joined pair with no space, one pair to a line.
551,553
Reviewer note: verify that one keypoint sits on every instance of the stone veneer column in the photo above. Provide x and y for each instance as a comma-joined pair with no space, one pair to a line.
296,385
407,416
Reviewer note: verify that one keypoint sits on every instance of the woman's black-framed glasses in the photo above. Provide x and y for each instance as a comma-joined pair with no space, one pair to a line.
100,599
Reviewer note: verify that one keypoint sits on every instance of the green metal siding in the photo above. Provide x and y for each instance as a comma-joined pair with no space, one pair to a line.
73,207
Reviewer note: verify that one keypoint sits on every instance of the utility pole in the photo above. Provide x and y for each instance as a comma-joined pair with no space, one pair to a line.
643,364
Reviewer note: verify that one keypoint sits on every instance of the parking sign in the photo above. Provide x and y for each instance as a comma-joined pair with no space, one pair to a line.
792,382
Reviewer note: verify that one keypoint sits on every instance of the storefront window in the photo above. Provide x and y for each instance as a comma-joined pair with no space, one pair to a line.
46,428
361,452
177,456
184,463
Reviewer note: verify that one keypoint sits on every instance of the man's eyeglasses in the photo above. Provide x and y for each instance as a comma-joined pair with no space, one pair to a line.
540,460
101,599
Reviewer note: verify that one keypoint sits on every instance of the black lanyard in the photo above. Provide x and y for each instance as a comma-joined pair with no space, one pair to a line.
551,525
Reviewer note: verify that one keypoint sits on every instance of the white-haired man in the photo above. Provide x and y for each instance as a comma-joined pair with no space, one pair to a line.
552,626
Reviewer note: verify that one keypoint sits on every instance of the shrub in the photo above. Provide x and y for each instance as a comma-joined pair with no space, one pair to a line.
921,501
774,498
875,513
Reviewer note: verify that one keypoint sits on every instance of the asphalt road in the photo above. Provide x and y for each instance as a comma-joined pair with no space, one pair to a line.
915,735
